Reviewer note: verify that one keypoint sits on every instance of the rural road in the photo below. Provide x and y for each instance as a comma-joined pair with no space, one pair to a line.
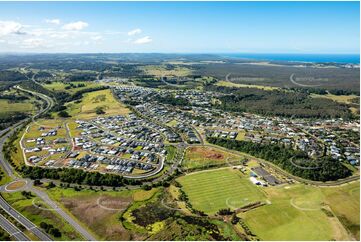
12,230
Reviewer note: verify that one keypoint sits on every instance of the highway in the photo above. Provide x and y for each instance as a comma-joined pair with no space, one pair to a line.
23,220
12,230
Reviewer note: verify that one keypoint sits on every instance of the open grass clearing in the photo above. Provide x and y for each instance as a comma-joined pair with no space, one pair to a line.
345,203
161,70
86,108
232,84
12,107
347,99
100,210
212,190
61,86
199,156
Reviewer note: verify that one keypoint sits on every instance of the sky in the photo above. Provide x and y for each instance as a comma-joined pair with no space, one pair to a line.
180,27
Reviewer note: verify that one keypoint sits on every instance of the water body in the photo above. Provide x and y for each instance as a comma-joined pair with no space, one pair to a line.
316,58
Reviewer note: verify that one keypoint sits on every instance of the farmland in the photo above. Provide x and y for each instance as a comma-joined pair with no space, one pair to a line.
210,191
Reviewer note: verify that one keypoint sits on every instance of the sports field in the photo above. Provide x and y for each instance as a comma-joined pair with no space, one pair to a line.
212,190
297,212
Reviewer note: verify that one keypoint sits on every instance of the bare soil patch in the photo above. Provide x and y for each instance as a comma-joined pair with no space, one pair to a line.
208,153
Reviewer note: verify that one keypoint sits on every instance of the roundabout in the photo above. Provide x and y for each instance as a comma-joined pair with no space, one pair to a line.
16,185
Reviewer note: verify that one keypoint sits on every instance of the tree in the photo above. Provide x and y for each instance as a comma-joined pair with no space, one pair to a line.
55,232
99,110
64,114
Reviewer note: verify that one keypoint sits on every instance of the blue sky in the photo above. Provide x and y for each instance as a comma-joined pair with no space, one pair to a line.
200,27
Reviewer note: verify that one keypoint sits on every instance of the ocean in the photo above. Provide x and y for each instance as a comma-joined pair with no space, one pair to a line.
316,58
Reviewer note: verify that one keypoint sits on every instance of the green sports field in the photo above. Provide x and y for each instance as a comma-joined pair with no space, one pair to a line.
295,213
210,191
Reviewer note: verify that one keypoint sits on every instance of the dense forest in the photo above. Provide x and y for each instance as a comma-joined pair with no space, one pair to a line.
278,103
327,170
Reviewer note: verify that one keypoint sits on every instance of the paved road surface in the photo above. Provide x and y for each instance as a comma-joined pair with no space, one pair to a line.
23,220
12,229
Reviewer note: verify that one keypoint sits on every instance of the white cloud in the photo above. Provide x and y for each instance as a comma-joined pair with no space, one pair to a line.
143,40
59,35
96,37
134,32
52,21
79,25
10,27
32,43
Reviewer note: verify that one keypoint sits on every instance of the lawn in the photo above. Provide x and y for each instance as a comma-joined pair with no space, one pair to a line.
25,206
295,214
87,107
212,190
171,151
172,123
198,157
